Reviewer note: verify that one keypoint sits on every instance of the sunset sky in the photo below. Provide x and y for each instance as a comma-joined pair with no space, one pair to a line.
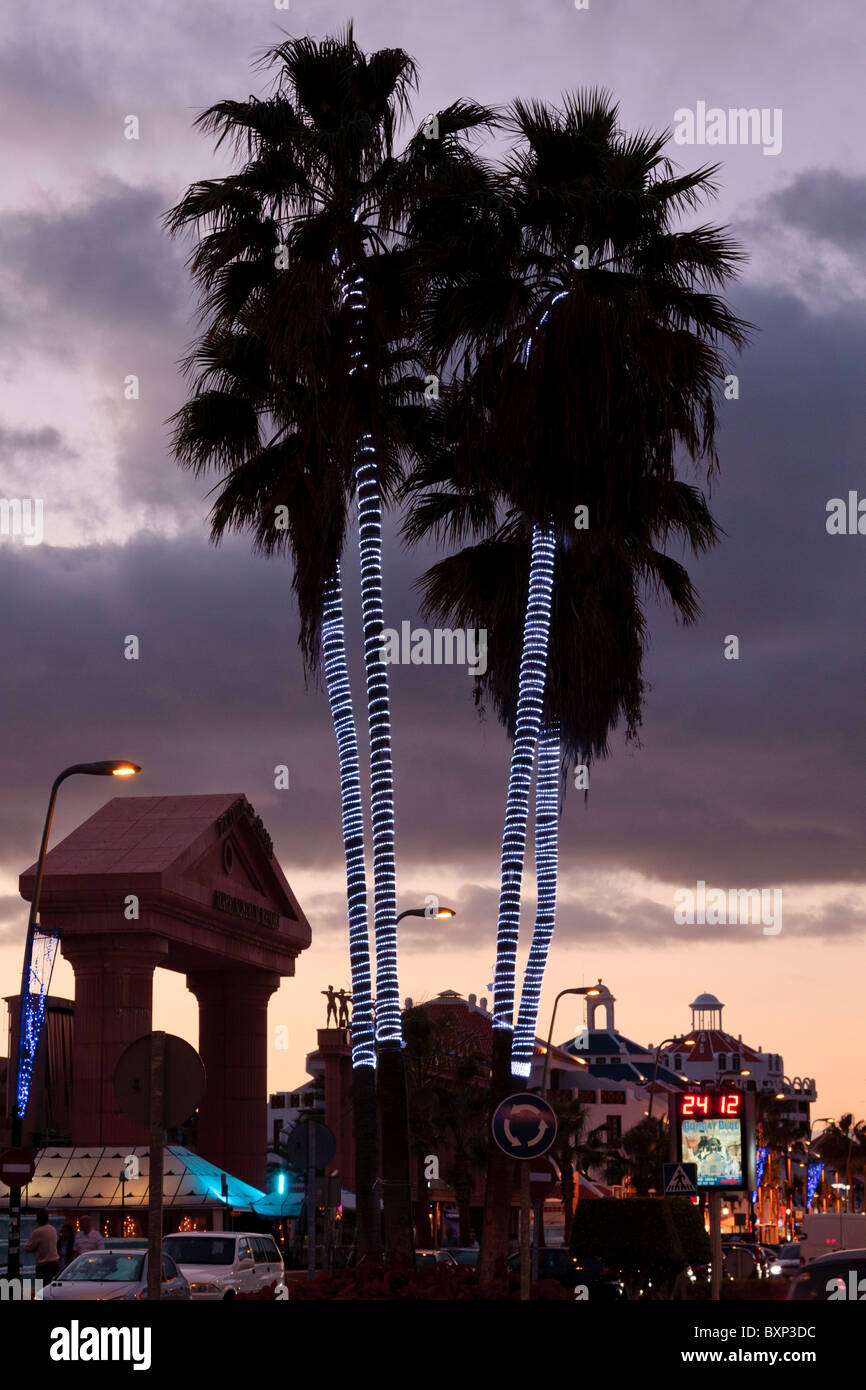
750,773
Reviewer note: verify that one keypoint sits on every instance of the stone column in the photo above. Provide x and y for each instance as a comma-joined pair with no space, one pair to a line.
233,1043
335,1049
113,1007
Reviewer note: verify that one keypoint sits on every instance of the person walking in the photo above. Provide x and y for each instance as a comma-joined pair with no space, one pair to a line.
66,1245
43,1243
87,1239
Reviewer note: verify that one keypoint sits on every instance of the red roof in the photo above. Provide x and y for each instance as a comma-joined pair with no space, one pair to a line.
709,1042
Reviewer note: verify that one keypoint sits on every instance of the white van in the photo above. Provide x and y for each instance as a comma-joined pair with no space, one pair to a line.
222,1264
825,1232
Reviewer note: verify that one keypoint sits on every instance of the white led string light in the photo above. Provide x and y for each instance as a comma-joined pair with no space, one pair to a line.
546,869
388,1028
530,701
343,716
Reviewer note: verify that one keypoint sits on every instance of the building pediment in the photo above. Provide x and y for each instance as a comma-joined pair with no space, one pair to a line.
193,866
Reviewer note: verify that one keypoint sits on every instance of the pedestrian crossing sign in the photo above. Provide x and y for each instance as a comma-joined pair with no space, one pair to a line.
681,1179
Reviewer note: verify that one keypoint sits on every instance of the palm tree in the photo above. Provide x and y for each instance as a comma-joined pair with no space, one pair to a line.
306,395
571,1118
598,638
585,334
843,1146
645,1150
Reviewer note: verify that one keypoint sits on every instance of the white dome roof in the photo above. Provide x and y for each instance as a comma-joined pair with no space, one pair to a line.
707,1001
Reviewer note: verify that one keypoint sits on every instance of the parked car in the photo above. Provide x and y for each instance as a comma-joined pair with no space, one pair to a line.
838,1276
785,1259
760,1257
111,1275
222,1264
555,1262
466,1255
425,1258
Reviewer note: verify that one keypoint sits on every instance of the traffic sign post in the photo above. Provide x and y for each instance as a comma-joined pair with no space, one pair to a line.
543,1177
159,1081
17,1167
524,1127
16,1171
309,1148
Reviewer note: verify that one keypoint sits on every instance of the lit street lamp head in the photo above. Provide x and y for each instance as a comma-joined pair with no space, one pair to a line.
112,767
440,914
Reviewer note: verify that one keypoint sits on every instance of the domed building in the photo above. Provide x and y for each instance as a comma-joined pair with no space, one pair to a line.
707,1053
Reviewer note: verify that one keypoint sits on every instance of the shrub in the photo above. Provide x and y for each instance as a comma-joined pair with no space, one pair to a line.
649,1240
437,1283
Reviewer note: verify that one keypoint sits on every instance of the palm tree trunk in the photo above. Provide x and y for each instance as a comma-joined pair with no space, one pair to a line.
546,868
530,701
393,1096
363,1038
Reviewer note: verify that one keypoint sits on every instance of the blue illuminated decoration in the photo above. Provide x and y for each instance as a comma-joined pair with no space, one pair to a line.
33,1012
760,1164
530,701
369,497
546,867
813,1177
388,1028
343,716
281,1184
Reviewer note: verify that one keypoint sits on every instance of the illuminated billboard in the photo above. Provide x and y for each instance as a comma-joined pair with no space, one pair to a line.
715,1131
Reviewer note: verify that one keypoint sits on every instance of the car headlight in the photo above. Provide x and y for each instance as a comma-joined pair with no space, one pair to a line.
775,1269
204,1288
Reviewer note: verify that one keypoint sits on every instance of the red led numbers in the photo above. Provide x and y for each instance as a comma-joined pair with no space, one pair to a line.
711,1105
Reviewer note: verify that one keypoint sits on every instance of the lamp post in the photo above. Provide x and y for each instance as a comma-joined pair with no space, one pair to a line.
665,1042
394,1103
588,990
28,1023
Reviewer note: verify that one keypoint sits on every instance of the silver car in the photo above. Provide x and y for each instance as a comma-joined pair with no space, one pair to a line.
111,1275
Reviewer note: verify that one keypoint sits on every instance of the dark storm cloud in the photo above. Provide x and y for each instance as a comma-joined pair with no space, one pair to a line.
824,203
42,441
748,774
106,269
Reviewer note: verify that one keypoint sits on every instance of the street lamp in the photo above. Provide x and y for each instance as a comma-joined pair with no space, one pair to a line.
665,1042
394,1106
440,914
590,991
736,1074
30,1018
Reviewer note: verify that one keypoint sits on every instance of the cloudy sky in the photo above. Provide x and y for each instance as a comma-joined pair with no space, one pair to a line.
749,772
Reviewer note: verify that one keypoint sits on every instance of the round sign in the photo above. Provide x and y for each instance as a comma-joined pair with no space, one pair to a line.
297,1147
524,1126
543,1177
17,1167
183,1081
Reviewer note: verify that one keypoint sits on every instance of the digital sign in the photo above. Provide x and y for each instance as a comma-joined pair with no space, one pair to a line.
716,1132
706,1105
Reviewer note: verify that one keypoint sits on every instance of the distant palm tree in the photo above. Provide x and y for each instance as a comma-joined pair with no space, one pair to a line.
306,395
586,335
571,1119
843,1145
645,1150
